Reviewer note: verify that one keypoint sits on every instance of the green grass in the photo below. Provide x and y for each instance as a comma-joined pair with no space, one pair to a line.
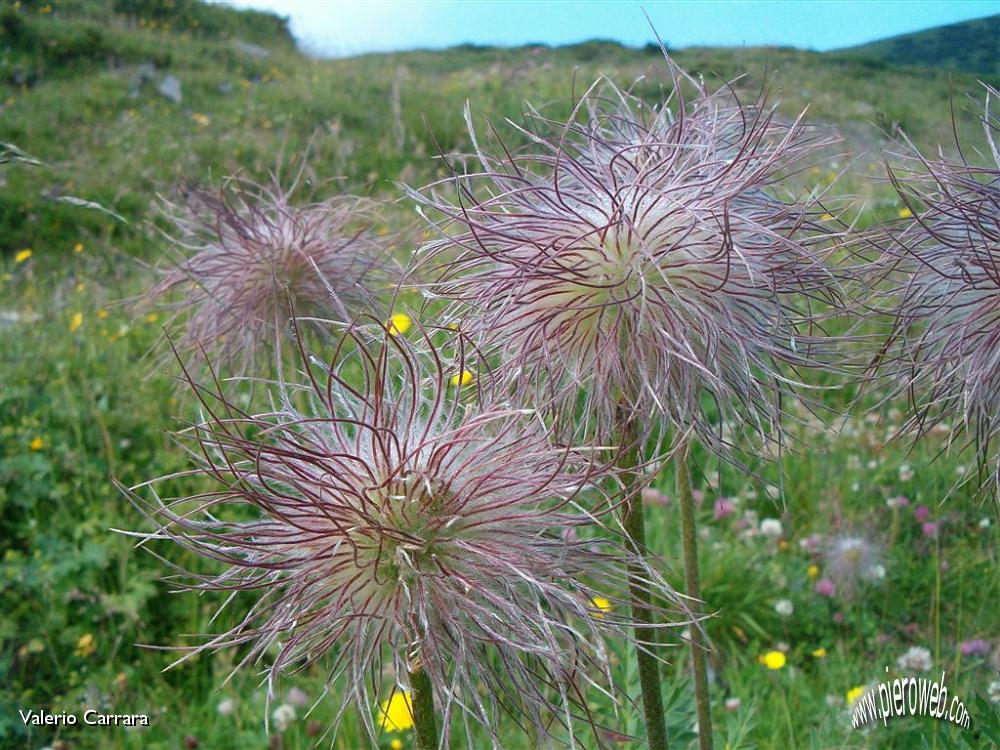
79,406
970,46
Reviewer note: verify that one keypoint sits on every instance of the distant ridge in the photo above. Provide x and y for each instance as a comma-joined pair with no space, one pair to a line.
969,46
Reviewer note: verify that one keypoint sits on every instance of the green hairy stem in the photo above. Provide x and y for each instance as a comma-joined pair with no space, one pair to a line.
422,697
641,599
692,582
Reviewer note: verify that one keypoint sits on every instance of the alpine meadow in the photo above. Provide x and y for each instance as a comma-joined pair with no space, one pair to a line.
574,396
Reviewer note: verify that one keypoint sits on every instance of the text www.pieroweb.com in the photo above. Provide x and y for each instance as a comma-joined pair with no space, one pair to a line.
909,696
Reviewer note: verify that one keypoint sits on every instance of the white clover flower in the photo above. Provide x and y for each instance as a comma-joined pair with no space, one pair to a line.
771,528
226,707
984,523
994,691
917,658
733,704
784,608
283,716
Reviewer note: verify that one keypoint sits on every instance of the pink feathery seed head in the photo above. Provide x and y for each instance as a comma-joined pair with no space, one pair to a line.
382,517
944,352
245,257
644,257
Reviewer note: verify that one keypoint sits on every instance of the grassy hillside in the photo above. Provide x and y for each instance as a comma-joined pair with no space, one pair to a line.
80,93
85,394
969,46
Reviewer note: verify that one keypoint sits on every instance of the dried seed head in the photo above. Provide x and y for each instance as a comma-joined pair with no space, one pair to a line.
248,255
849,560
384,518
944,352
643,256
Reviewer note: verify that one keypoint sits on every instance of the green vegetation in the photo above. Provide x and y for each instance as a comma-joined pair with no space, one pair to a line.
969,46
86,393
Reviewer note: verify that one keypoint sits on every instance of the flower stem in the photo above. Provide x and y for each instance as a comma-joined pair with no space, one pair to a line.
422,697
692,583
642,610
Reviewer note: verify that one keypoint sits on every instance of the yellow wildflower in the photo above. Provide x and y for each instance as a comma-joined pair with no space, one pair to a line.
772,660
399,324
102,314
78,247
201,119
819,653
464,378
397,712
75,322
601,605
152,318
396,744
812,571
37,444
854,693
22,255
904,213
86,645
826,217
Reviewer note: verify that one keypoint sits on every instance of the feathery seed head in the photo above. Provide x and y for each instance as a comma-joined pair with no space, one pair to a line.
944,352
849,560
385,518
249,254
644,255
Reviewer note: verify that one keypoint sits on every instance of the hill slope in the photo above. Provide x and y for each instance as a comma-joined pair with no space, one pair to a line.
87,89
970,46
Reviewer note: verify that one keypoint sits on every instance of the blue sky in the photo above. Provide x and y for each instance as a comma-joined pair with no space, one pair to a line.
343,27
